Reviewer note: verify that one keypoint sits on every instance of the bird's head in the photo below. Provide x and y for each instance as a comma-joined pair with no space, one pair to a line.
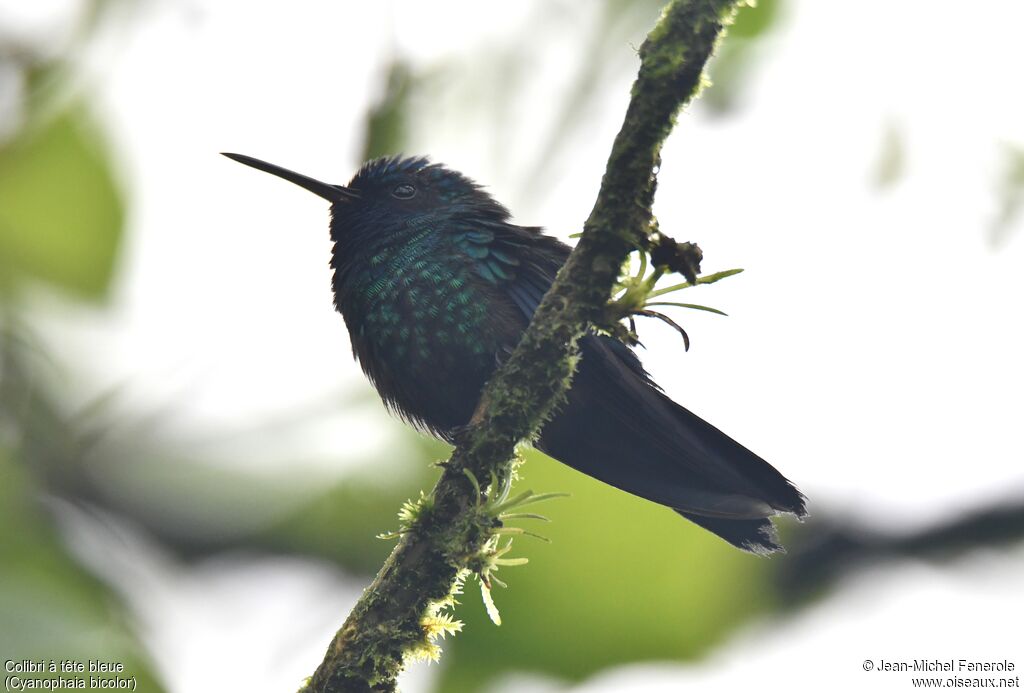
392,192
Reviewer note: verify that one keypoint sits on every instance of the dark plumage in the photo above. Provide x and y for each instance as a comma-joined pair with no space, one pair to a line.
436,286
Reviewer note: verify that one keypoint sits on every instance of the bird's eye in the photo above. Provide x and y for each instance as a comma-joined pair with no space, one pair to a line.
404,191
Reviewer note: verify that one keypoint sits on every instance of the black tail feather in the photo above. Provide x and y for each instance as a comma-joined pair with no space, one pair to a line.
756,536
618,427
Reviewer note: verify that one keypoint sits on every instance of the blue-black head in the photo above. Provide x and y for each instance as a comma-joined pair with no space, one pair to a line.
393,193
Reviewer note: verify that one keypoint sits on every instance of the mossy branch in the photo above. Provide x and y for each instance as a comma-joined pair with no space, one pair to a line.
453,529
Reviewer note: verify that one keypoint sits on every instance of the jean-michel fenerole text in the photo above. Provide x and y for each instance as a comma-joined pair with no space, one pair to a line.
953,665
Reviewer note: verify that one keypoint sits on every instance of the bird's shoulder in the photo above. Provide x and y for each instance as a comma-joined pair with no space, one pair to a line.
521,261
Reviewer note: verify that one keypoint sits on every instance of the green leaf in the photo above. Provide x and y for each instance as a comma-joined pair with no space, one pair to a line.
707,279
694,306
717,276
61,213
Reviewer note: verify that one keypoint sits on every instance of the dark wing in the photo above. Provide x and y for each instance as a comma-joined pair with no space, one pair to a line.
617,425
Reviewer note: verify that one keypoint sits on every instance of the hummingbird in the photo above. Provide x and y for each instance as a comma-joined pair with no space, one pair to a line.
436,285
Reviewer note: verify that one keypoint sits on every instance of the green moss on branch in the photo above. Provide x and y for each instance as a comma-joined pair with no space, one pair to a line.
454,526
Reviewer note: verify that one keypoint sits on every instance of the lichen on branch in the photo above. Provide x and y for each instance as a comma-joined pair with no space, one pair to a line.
454,528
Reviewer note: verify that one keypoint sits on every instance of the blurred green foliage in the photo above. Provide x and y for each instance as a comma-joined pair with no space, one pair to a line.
387,120
61,213
61,224
623,580
50,607
736,59
755,21
891,164
1010,193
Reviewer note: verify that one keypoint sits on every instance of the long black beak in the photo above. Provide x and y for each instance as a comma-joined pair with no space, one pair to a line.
334,193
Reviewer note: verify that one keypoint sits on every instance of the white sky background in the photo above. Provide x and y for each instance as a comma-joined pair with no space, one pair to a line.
873,349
